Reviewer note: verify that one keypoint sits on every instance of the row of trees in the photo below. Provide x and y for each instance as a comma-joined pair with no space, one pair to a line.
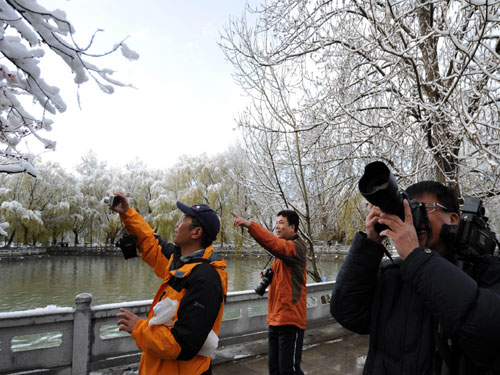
59,206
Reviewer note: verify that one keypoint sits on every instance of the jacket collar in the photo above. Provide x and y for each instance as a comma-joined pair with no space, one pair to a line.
190,261
188,258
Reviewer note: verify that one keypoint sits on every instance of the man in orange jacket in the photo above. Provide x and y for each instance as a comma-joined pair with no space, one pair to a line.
194,288
287,299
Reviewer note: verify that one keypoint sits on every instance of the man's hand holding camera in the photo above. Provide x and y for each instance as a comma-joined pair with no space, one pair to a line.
402,233
122,204
371,219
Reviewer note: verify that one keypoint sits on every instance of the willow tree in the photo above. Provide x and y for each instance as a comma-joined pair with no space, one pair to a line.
195,180
414,83
25,199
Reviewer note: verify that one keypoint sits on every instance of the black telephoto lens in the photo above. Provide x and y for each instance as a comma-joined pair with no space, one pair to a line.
379,187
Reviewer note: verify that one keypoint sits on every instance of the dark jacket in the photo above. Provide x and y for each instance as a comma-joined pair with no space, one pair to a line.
402,304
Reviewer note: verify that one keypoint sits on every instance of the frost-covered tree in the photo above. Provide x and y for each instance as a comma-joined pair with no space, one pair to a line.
28,32
95,183
79,215
414,83
137,180
56,215
196,180
22,205
47,194
288,170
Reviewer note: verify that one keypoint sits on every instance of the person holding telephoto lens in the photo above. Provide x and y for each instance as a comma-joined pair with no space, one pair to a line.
425,312
287,296
181,328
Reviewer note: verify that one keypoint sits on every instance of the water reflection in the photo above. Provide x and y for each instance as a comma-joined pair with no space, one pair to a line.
56,280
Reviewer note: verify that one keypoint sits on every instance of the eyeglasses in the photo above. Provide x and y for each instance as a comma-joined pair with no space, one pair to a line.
432,206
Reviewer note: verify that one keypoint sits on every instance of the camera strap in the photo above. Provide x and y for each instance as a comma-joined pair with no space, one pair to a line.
270,258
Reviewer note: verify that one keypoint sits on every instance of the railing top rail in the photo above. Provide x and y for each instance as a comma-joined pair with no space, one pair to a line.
325,285
45,311
111,306
232,297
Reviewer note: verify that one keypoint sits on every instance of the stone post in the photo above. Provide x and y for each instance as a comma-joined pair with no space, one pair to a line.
81,335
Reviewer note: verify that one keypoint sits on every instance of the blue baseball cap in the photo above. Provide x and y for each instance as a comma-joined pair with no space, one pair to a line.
205,215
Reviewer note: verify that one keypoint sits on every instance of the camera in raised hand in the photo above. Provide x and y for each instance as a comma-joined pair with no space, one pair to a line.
112,200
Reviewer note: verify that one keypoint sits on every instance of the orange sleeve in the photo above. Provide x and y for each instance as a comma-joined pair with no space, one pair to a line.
277,246
156,340
147,243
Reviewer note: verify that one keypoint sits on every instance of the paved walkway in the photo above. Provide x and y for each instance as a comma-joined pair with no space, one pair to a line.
328,350
345,355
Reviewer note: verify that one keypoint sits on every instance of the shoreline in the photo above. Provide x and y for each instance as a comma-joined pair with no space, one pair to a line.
228,251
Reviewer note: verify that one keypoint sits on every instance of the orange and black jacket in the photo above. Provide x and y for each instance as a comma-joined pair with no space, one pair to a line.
287,295
199,285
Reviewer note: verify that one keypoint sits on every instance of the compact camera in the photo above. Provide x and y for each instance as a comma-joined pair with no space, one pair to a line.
267,277
128,244
112,200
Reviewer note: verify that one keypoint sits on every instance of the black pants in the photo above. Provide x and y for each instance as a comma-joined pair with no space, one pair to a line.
285,350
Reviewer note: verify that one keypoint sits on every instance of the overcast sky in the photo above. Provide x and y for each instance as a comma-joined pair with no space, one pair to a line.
185,100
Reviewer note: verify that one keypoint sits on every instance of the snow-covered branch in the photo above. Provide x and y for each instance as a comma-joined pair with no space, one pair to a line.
28,31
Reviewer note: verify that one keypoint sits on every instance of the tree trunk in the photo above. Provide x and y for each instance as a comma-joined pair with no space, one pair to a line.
11,238
76,237
25,235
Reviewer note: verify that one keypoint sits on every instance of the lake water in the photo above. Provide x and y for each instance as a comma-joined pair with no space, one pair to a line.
35,282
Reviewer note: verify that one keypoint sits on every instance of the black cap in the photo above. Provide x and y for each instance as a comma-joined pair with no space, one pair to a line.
205,215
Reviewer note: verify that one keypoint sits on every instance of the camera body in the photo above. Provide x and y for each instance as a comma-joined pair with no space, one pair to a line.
112,200
267,277
128,244
472,239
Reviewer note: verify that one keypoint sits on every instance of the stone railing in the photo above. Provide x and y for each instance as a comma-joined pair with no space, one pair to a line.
82,339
